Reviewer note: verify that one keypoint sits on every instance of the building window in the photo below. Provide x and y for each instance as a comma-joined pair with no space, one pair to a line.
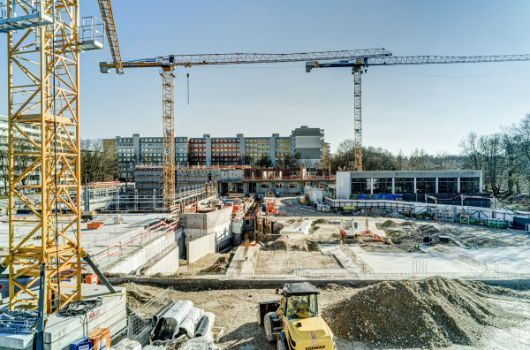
469,185
447,185
426,185
360,186
404,185
383,185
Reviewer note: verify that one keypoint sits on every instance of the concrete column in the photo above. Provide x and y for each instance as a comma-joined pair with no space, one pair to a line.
136,200
458,184
154,199
371,185
393,185
436,186
480,184
415,189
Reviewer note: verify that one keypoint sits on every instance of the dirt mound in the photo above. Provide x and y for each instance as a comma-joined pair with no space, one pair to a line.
137,296
291,243
387,224
278,244
434,312
219,266
428,229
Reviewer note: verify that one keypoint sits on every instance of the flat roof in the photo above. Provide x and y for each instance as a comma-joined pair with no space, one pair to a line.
411,173
301,288
94,241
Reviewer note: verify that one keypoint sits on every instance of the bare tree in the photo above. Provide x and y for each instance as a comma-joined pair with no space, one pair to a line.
97,165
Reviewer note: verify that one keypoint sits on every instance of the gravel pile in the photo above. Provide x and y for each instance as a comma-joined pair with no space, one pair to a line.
434,312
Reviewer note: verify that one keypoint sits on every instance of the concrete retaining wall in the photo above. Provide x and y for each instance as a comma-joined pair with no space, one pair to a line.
199,247
208,220
214,224
141,255
167,264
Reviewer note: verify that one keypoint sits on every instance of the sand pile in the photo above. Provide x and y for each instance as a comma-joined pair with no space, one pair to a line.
434,312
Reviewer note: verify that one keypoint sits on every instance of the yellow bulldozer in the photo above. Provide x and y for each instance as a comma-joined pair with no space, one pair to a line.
293,321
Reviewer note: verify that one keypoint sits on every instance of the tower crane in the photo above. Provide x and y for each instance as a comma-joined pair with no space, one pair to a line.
361,64
168,64
105,8
45,39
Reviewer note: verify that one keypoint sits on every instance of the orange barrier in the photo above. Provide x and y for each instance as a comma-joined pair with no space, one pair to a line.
92,279
100,338
95,225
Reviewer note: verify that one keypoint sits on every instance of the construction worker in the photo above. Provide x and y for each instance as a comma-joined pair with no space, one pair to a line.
302,309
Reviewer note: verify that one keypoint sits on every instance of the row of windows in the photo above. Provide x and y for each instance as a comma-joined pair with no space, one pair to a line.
423,185
279,185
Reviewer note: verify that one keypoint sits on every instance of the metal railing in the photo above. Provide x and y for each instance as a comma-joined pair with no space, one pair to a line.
117,250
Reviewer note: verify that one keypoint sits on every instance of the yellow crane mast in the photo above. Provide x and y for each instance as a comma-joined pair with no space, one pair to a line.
43,95
44,44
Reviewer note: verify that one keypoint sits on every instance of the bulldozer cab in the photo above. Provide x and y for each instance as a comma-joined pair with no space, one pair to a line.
300,301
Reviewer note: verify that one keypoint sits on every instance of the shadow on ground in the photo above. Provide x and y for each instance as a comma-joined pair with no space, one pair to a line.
248,336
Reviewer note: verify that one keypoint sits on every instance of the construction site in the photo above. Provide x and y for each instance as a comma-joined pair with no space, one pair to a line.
203,248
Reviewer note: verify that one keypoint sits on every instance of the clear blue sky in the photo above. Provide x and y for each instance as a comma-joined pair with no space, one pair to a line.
430,107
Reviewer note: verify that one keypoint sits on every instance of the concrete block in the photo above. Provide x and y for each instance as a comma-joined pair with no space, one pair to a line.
61,330
116,324
16,341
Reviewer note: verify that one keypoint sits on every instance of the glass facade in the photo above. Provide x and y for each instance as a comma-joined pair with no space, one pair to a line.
426,185
382,185
360,186
447,185
469,185
404,185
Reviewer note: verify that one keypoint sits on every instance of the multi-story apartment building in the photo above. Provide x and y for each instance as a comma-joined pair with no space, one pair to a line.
134,150
305,145
308,145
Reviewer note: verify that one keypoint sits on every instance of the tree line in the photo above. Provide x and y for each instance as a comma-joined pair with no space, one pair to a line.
503,157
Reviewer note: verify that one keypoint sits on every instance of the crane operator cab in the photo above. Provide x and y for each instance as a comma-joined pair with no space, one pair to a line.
302,306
